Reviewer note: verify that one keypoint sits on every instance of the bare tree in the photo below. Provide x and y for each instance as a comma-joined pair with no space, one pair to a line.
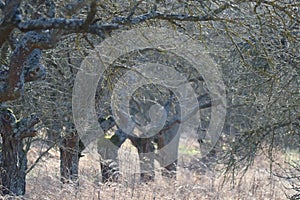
256,44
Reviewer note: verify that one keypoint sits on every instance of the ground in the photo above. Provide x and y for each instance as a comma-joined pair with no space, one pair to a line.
192,183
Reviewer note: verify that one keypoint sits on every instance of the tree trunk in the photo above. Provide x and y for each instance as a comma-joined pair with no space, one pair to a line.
13,158
69,158
13,166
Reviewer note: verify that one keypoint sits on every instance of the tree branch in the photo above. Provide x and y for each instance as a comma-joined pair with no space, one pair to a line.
25,127
83,26
74,25
91,15
33,69
13,88
12,16
176,17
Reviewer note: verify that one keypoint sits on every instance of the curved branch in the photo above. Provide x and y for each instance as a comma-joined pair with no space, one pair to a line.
33,69
13,88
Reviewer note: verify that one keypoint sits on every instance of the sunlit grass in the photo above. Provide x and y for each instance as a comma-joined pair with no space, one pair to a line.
43,181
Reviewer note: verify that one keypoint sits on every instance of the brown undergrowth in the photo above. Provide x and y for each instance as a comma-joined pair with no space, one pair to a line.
43,181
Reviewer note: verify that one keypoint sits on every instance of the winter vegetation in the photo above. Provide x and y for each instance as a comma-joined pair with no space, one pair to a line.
211,92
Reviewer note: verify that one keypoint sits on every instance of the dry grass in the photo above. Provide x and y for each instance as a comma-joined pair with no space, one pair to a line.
43,182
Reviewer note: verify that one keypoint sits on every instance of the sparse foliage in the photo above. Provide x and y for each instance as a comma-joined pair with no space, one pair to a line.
256,44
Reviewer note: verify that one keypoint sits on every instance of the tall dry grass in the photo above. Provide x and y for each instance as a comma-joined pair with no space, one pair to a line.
43,182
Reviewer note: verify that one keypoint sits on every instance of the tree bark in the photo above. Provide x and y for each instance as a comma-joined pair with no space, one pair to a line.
13,157
69,158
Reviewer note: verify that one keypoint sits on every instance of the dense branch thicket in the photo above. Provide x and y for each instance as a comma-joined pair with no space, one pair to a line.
255,43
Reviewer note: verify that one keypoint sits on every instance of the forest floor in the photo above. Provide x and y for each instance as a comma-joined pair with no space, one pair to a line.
43,182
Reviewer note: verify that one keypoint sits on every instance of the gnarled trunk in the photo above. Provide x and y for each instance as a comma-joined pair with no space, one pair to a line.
13,158
13,166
